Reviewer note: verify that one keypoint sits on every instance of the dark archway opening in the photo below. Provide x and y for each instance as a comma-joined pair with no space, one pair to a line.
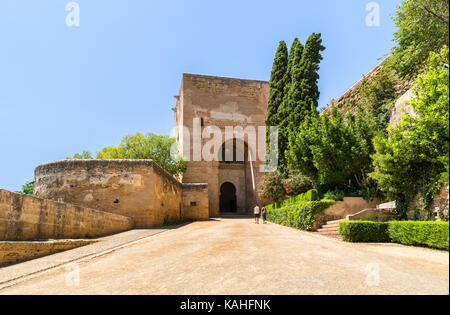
228,200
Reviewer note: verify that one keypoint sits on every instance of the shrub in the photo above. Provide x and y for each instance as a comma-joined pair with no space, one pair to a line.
364,231
336,195
271,187
301,215
411,158
311,195
297,184
417,233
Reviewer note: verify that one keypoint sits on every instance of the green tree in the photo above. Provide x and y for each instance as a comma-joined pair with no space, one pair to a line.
111,153
414,155
423,27
143,147
151,147
295,55
336,151
343,151
85,155
277,83
303,92
27,189
379,95
300,156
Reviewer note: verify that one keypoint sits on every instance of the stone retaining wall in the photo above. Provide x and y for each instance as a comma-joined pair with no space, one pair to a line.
375,215
24,218
14,252
140,189
438,210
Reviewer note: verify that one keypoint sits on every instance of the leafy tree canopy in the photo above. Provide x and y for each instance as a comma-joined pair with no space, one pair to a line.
141,146
423,27
277,83
85,155
336,151
413,157
27,189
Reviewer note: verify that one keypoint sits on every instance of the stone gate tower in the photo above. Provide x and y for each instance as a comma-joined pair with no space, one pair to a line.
207,106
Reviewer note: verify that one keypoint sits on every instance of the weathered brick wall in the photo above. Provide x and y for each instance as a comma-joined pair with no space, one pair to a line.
195,201
135,188
25,218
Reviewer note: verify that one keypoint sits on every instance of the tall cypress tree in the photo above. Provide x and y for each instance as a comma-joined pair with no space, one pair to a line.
295,97
303,94
303,99
295,57
277,83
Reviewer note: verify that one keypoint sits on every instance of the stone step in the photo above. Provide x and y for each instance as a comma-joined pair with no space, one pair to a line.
329,227
335,222
333,225
329,233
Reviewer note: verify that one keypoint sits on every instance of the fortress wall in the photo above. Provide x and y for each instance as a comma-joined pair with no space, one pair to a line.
195,201
136,188
24,218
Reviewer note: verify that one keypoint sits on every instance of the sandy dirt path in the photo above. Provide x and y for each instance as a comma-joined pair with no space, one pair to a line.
235,256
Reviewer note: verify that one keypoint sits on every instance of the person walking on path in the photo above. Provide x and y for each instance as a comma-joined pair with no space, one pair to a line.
264,215
256,212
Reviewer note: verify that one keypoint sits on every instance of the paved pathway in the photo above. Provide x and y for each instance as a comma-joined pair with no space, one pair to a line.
235,256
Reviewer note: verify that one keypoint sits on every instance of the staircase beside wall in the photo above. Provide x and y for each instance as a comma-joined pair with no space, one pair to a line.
331,229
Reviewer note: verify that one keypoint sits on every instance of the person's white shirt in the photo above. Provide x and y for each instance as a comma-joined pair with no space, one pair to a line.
256,210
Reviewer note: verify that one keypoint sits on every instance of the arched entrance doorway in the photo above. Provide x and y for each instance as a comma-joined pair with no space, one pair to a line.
228,200
237,171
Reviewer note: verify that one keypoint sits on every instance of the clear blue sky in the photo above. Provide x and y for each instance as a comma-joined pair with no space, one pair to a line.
64,90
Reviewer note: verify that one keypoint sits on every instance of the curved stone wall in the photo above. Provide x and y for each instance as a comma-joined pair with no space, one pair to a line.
136,188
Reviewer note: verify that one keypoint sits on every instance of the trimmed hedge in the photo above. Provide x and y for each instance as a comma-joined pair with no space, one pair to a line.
311,195
415,233
364,231
300,215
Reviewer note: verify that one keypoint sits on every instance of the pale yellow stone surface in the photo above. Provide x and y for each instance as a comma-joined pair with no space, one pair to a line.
236,256
25,218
